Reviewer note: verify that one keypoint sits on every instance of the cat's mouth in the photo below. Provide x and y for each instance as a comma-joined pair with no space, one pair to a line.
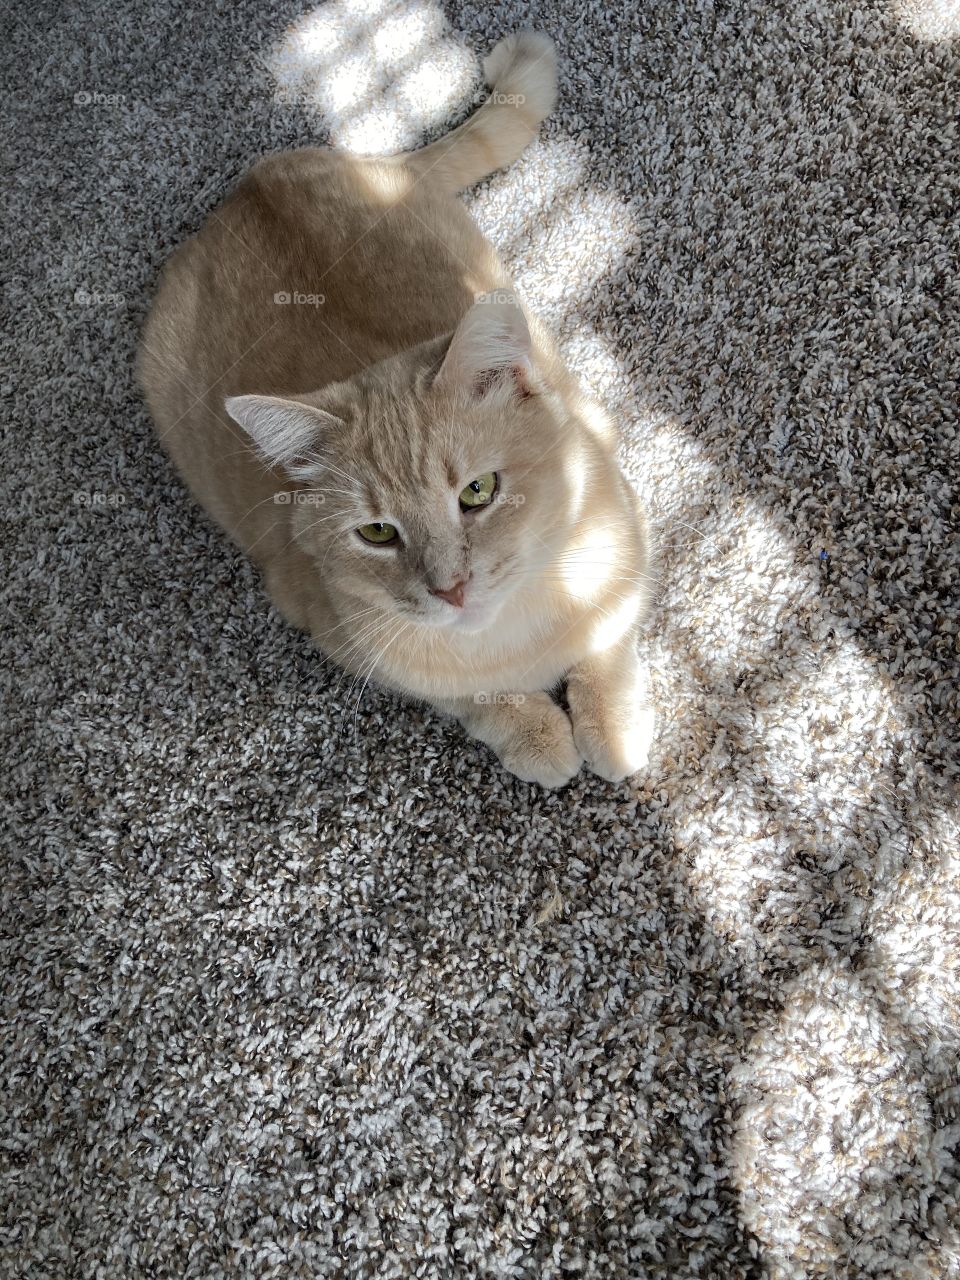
475,614
482,605
479,607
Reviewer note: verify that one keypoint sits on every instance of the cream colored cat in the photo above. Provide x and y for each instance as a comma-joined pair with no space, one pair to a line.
345,379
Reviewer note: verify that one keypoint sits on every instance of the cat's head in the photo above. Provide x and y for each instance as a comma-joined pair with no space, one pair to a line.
436,485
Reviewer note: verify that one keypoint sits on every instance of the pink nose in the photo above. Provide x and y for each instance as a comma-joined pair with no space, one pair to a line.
453,595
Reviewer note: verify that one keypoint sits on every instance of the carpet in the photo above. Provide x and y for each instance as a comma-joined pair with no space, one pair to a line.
298,982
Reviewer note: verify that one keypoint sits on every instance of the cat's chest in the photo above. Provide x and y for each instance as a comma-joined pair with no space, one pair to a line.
455,666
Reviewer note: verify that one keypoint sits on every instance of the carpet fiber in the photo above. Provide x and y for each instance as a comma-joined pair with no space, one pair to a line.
297,982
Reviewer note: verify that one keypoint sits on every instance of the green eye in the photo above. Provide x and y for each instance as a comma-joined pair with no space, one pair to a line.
479,492
378,533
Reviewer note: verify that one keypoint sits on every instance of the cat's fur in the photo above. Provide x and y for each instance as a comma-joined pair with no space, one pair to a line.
357,406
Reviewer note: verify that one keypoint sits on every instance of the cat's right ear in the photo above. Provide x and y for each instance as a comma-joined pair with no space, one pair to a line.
491,345
286,433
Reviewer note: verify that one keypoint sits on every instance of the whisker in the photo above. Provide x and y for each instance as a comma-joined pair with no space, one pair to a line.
360,638
697,531
371,639
261,503
344,622
379,658
352,480
313,524
369,636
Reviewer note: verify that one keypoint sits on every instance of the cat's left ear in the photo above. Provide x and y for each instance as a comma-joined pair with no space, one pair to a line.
286,433
490,347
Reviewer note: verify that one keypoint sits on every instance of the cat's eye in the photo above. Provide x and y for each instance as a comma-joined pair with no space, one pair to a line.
479,492
378,533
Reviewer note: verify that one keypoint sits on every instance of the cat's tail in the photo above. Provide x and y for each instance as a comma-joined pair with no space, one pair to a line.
521,71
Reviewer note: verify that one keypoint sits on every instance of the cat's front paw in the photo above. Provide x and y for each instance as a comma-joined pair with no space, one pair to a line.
613,736
533,738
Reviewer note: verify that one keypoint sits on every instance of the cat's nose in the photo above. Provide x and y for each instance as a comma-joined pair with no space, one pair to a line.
453,595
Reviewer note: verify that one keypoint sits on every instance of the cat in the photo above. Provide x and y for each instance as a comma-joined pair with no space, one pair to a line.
341,371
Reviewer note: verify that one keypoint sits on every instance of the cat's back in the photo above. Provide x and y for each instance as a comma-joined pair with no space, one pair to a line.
317,265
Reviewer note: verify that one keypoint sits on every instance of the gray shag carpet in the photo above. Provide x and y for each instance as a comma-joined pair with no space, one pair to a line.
300,984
